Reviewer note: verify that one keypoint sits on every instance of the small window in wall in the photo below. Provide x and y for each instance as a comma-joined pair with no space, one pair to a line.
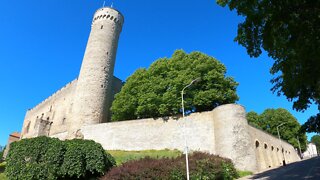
265,146
272,148
257,144
277,149
28,127
102,27
48,118
111,17
63,120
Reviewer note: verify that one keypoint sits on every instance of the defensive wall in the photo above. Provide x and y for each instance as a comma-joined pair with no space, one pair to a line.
223,131
52,116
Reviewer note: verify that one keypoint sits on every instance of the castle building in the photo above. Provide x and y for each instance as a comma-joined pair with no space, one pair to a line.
87,99
81,110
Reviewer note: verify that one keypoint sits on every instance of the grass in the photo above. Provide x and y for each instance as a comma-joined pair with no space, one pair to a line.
244,173
124,156
3,176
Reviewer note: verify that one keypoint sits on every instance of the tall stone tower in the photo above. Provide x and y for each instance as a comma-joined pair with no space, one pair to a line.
92,97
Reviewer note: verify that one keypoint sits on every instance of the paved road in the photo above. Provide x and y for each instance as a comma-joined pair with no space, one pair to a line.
307,169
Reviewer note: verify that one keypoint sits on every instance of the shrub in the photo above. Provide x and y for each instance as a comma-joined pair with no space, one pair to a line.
2,167
85,159
50,158
201,166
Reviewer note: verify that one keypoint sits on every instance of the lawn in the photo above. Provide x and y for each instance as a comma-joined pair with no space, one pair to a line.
124,156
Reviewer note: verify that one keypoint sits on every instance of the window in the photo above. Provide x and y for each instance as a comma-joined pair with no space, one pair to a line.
102,27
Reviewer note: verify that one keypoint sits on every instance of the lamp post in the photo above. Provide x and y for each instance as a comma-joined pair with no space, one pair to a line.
185,136
284,161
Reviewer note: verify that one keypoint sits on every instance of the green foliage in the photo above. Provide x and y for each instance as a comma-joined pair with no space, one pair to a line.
2,167
289,31
202,166
312,125
156,91
316,140
244,173
50,158
271,118
125,156
3,176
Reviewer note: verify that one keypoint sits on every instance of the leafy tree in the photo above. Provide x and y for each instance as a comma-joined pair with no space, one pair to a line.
271,118
253,119
156,91
313,124
316,140
290,32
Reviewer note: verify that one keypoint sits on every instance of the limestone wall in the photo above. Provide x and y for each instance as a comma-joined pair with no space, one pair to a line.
54,113
268,149
155,133
223,131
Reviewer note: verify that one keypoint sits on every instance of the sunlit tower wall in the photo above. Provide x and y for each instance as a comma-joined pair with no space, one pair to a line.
92,99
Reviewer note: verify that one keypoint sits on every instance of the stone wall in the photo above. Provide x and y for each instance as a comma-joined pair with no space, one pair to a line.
223,131
53,115
270,151
155,134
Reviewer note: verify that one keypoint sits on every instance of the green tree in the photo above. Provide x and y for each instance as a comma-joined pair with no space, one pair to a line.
156,91
271,118
289,31
253,119
316,140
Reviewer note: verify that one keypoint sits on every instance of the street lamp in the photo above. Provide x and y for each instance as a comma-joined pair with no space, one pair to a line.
185,136
283,162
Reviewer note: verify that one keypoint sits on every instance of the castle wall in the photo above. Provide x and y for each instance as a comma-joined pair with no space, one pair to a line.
155,133
51,116
223,131
268,149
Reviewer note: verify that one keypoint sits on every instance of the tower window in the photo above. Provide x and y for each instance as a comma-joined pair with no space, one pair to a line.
102,27
108,16
111,17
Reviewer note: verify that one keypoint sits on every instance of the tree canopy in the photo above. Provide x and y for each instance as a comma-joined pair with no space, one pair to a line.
271,118
289,31
316,140
156,91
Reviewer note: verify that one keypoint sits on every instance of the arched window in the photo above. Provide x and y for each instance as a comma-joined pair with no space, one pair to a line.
257,144
265,146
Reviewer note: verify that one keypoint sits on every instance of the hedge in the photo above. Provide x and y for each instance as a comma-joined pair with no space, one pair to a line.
201,166
49,158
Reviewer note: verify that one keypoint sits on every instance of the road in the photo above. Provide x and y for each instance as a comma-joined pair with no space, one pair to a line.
306,169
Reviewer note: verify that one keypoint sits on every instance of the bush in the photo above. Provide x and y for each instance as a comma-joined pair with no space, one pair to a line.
201,166
50,158
2,167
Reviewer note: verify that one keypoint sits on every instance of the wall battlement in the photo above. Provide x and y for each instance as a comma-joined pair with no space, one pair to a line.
108,13
52,96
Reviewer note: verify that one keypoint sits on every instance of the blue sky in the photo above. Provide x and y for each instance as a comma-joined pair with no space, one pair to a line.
42,45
